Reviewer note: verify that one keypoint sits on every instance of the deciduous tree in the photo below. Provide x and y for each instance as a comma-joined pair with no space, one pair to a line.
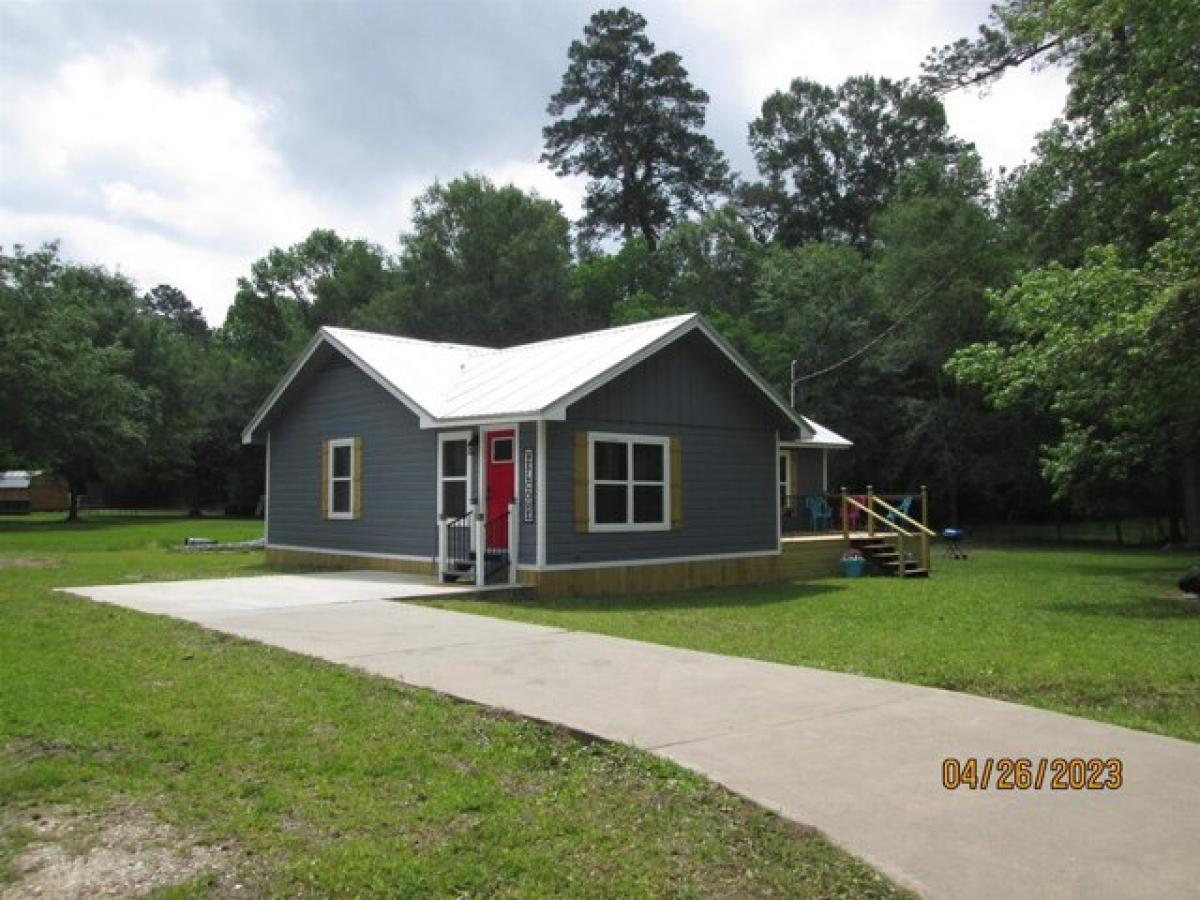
830,157
482,264
70,402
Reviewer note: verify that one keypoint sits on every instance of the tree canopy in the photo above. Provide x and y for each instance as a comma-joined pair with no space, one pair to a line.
1023,343
1100,332
630,120
71,403
482,264
830,157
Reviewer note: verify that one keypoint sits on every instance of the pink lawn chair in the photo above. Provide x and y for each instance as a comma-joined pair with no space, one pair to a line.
854,515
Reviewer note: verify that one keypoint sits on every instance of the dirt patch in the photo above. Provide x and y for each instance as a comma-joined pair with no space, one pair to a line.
28,562
120,853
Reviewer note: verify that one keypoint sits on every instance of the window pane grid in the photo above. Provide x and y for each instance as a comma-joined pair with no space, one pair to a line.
341,478
633,490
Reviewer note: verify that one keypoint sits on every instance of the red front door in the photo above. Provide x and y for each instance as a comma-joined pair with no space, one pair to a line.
500,483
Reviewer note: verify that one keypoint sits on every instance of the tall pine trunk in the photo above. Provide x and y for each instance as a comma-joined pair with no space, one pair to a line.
1190,472
78,488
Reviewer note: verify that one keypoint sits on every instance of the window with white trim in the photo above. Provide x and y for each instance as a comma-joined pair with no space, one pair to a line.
341,478
455,467
628,480
785,478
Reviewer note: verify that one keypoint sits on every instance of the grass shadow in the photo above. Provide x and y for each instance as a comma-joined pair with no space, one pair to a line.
1149,608
99,523
704,598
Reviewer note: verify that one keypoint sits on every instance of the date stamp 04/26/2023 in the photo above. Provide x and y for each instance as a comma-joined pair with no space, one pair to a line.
1019,773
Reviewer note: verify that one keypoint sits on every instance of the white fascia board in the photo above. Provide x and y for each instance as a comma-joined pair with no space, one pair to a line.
738,360
557,410
294,370
507,418
814,445
324,337
419,411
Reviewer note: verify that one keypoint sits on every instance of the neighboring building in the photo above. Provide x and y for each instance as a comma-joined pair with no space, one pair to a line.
23,491
641,457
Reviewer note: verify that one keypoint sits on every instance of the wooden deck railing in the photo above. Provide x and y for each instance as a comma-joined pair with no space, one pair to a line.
889,520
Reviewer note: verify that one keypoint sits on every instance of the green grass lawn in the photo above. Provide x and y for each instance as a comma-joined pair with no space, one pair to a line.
1100,634
319,781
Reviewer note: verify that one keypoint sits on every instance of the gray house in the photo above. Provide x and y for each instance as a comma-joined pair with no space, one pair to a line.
644,457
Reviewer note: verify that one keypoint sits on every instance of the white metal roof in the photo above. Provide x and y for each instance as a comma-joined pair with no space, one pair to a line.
458,384
18,478
822,437
453,381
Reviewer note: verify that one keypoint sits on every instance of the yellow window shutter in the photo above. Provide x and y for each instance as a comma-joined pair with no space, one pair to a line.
676,483
357,478
324,479
581,482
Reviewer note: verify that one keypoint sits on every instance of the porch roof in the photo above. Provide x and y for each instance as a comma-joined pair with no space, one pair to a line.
822,438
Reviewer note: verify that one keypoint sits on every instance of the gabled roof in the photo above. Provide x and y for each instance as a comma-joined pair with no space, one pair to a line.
455,384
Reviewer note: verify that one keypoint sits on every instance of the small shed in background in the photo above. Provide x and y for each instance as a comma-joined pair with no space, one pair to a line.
25,490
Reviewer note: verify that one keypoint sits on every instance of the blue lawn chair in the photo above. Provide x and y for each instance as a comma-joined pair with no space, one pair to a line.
819,512
903,506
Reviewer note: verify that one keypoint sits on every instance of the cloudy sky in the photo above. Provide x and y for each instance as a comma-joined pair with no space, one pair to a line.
179,140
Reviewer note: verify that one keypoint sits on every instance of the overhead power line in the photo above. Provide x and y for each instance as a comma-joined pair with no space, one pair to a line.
903,317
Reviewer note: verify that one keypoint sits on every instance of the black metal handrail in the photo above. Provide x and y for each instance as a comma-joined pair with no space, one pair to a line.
458,540
496,556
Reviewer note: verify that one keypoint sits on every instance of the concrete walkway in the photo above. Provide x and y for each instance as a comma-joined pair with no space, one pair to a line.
858,758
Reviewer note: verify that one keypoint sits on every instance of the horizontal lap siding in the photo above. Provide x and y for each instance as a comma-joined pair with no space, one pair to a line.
399,469
692,392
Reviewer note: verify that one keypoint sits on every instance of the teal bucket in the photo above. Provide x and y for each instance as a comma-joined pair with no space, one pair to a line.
853,568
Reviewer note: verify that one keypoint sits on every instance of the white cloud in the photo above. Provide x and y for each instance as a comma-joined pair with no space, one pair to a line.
779,40
195,179
534,176
182,178
180,183
145,256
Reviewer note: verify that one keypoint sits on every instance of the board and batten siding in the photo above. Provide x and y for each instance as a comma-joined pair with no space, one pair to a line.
728,431
399,500
526,440
808,471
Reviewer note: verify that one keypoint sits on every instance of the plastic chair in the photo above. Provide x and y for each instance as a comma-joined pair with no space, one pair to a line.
903,506
854,515
819,512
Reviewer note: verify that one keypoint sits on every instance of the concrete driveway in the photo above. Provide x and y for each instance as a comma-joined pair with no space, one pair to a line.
858,758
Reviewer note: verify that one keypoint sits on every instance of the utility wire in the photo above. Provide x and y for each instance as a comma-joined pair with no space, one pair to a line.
879,337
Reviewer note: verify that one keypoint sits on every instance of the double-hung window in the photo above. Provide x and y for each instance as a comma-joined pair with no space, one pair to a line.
455,474
341,478
629,481
785,478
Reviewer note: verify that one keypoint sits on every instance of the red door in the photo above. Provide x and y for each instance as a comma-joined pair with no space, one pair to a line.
500,483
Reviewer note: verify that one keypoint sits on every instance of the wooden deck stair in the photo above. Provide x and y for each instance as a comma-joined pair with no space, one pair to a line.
882,551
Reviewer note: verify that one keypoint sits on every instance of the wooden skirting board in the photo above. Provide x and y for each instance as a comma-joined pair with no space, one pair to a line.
806,559
279,557
655,578
799,560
